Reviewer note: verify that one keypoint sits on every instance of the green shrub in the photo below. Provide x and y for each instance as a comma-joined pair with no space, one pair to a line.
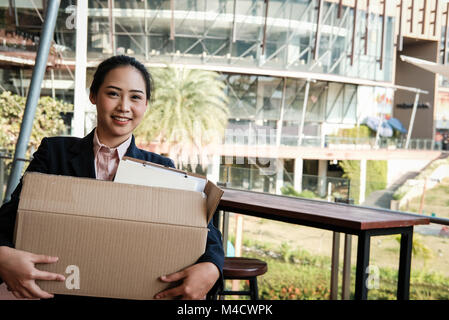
306,276
357,132
286,251
398,195
351,169
288,190
376,176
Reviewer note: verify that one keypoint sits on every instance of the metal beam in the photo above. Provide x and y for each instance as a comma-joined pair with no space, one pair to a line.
400,38
111,26
33,96
343,54
366,27
384,24
445,33
172,20
80,99
281,115
434,22
234,23
318,30
412,120
411,8
304,108
423,21
354,33
340,6
264,39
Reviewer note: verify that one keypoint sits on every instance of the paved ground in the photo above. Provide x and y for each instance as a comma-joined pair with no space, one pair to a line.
382,198
379,199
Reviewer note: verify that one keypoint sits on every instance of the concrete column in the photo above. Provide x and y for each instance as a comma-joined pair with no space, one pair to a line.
81,98
297,178
279,175
213,169
362,181
322,174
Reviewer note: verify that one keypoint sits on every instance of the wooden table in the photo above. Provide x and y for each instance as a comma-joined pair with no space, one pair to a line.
360,221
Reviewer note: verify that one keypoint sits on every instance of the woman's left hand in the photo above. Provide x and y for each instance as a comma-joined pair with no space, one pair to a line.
197,280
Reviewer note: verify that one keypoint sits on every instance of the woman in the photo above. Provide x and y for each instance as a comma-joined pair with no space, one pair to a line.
121,89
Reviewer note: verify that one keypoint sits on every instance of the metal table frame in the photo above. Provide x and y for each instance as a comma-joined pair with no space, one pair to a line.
363,248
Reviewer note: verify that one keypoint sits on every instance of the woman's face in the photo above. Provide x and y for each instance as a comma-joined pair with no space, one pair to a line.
121,103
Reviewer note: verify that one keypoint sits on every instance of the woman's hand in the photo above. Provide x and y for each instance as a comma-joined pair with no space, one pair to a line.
19,273
197,280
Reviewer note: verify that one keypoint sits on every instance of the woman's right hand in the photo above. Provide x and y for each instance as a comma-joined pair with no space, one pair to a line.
17,269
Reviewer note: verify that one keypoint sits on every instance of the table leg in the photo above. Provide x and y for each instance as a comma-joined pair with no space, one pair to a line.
335,263
225,227
363,250
405,260
346,286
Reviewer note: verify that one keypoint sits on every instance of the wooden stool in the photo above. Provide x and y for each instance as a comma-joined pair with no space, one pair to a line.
238,268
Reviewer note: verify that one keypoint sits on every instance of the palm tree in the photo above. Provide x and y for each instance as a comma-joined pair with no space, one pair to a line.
189,113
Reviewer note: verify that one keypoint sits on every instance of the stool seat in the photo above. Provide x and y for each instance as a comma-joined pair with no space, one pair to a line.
242,268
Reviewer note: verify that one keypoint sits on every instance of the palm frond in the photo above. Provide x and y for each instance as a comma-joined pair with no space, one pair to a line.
189,113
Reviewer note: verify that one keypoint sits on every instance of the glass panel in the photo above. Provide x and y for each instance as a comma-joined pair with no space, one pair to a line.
158,17
158,4
98,4
98,37
294,97
269,98
277,33
127,4
316,102
241,91
202,29
248,31
335,102
350,105
130,44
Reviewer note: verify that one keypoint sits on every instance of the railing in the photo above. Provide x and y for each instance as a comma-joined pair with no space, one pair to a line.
264,180
331,142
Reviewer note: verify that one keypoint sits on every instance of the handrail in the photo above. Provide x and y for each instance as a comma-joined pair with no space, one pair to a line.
268,137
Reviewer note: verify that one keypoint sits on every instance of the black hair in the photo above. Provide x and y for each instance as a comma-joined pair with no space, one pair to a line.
120,61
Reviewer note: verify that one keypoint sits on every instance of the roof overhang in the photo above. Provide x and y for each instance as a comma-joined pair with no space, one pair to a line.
434,67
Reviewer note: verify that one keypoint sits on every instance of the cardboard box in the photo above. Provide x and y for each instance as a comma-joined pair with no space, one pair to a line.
112,239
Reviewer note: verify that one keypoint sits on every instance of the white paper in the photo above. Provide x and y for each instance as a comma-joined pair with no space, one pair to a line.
133,172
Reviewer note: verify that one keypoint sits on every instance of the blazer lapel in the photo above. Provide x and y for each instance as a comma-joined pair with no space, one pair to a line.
83,157
133,151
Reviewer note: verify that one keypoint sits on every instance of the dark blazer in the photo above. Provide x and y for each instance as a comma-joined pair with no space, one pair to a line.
71,156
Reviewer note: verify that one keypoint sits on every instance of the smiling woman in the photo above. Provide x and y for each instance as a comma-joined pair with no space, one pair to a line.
121,103
121,89
121,96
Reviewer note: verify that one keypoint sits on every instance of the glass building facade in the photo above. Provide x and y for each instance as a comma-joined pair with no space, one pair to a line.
239,33
243,34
